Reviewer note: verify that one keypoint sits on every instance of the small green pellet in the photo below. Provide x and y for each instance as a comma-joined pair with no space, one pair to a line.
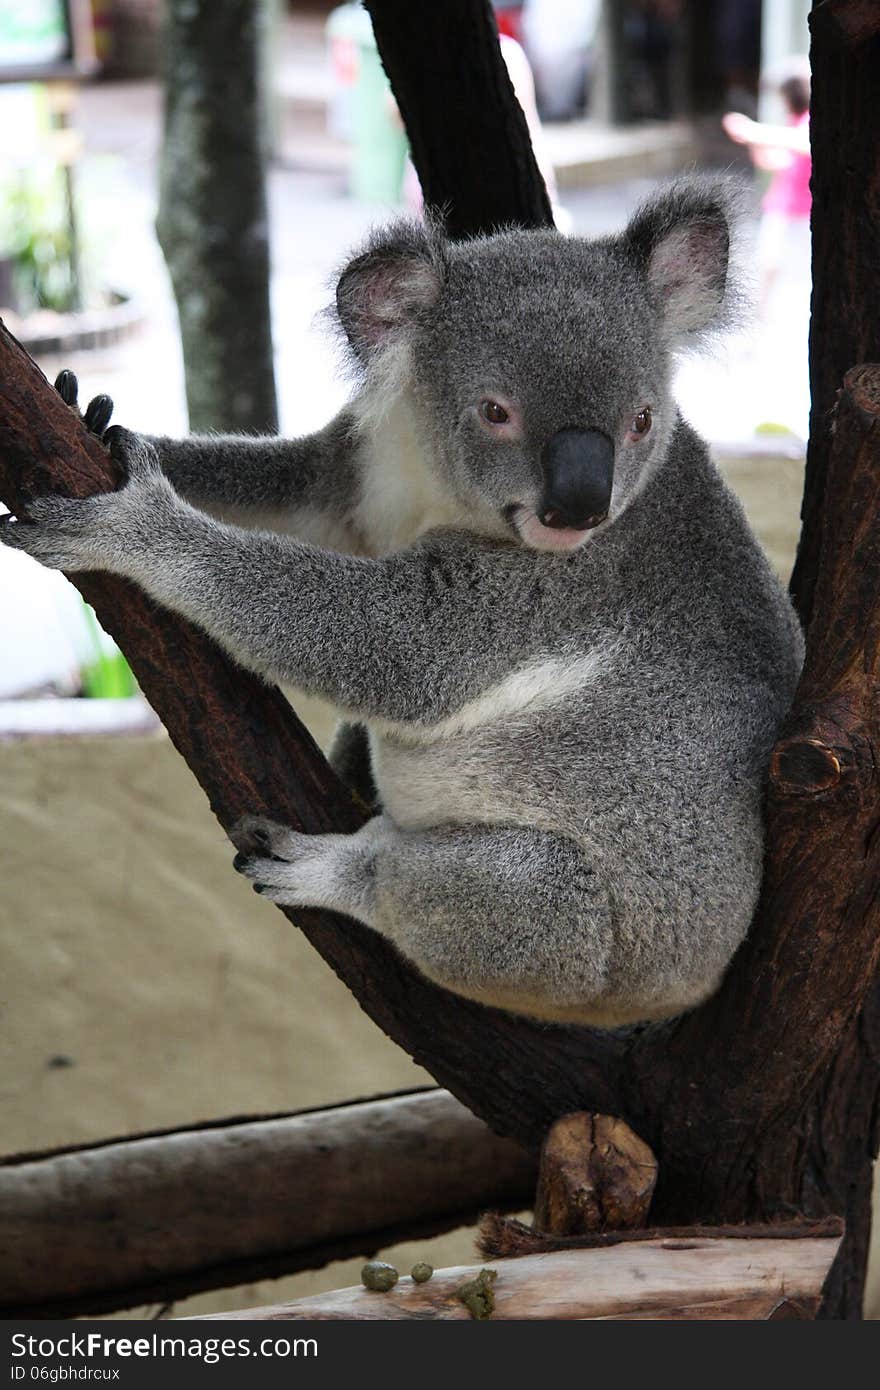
379,1276
421,1272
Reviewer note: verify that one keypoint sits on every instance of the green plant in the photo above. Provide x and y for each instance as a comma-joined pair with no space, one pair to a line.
108,675
36,235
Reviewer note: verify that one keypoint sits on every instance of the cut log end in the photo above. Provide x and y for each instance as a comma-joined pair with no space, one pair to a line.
595,1174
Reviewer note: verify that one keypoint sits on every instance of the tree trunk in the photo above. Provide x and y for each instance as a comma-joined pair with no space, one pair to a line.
761,1102
213,222
845,324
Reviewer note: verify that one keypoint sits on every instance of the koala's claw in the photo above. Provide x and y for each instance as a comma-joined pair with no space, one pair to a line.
67,387
97,412
267,853
97,416
248,865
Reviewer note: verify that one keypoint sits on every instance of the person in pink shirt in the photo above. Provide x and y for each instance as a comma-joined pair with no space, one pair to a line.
785,151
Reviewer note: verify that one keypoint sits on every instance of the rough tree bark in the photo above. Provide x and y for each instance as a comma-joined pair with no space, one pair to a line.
213,223
762,1102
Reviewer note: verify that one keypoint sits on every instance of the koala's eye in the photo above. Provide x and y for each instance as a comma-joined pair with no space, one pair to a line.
641,423
494,413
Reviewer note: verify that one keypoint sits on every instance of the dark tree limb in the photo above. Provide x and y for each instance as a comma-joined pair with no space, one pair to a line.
844,324
153,1218
469,139
213,223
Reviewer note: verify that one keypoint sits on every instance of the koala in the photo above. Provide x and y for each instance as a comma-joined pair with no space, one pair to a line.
512,563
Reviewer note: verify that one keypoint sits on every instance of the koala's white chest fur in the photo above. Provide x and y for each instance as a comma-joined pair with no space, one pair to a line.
429,775
401,496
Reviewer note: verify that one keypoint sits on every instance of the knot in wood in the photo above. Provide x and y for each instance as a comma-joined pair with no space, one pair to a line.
862,383
804,767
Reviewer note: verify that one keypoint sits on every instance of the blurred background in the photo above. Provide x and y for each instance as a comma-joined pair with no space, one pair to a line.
143,985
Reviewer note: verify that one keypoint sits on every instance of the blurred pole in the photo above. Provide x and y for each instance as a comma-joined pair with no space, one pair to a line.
608,99
271,37
213,223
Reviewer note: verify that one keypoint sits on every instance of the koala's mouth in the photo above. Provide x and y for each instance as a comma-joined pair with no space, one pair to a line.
537,536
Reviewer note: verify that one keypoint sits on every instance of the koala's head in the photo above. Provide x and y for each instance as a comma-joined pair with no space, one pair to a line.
540,365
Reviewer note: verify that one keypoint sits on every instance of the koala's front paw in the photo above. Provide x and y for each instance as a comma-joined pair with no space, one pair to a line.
98,411
61,532
104,531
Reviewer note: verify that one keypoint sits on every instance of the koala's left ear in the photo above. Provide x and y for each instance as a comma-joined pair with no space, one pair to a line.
680,240
393,283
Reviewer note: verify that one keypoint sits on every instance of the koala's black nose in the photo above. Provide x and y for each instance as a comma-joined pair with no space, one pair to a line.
578,474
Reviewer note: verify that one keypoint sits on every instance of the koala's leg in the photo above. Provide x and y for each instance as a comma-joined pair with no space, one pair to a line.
349,756
514,917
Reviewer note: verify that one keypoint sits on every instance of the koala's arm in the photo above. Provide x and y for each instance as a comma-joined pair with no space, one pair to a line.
406,638
291,483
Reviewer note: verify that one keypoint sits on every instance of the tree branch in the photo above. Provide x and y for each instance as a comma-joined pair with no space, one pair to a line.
475,162
844,323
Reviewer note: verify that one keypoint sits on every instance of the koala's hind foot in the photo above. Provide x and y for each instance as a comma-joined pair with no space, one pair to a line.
296,870
512,917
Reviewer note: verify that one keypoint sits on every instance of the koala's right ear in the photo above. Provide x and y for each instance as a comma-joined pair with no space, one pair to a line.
390,285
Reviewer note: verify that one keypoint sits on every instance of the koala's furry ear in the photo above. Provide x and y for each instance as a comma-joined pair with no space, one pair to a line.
390,285
680,239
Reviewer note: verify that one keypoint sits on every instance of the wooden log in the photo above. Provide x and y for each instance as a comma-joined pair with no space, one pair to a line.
157,1217
690,1280
595,1174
